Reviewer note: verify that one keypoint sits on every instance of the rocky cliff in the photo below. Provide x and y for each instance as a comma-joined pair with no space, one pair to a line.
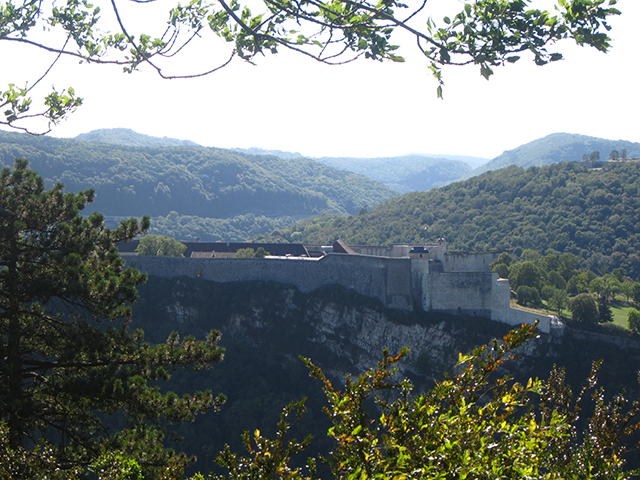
266,326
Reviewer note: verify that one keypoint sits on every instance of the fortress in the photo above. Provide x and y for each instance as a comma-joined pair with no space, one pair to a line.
403,277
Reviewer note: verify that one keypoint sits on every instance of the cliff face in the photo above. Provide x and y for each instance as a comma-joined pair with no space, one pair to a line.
349,330
266,326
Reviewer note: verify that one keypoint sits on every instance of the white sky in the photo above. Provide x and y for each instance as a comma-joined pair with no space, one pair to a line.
365,109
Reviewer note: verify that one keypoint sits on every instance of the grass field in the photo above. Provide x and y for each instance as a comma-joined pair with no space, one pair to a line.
619,309
620,312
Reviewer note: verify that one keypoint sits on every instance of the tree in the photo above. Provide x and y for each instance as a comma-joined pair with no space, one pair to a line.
67,358
261,253
583,308
605,315
160,245
594,156
525,273
501,269
623,153
614,155
470,425
245,253
504,258
619,273
597,286
578,283
627,290
527,296
558,302
635,293
634,320
487,33
556,280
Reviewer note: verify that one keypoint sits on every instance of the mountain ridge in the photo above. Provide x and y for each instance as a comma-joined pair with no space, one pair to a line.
198,182
555,148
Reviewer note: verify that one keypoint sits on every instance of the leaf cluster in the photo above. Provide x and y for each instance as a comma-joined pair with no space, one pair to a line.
470,425
486,33
160,245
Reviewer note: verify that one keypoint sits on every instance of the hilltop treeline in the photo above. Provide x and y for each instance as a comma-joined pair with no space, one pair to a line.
195,181
565,207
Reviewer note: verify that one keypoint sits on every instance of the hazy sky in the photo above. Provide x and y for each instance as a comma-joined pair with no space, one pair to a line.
365,109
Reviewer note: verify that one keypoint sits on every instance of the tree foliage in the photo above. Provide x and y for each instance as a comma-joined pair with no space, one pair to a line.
583,308
160,245
487,33
605,315
68,360
635,293
633,318
528,296
470,425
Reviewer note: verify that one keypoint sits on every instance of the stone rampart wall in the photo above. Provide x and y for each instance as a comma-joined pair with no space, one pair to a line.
387,279
393,281
465,292
472,262
514,316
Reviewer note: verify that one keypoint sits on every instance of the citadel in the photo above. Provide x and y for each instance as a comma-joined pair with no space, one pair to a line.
404,277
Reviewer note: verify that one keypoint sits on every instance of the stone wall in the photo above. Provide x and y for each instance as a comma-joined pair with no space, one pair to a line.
399,283
472,262
460,292
480,294
387,279
515,316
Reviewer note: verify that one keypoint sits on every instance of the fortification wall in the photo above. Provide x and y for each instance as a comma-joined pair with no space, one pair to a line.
515,316
460,292
472,262
477,293
396,282
387,279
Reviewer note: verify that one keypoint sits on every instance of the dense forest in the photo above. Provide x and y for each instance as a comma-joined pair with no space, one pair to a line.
566,207
193,181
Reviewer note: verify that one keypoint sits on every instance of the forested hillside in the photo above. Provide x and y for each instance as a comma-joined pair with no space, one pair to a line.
126,136
559,147
405,173
408,173
565,207
203,183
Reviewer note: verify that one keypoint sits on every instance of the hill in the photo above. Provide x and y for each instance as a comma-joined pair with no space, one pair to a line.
127,137
555,148
276,153
408,173
405,173
197,182
564,207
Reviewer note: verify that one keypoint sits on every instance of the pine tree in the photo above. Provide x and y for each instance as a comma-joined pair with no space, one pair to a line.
605,315
67,358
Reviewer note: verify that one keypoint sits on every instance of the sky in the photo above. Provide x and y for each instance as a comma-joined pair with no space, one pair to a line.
364,109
